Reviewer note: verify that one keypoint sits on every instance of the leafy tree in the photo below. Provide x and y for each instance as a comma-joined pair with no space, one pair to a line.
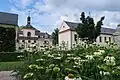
55,36
87,30
7,39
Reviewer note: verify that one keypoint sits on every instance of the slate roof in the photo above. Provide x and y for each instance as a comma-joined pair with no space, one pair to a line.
104,30
8,18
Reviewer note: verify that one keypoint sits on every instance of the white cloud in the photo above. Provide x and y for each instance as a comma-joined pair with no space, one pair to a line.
48,14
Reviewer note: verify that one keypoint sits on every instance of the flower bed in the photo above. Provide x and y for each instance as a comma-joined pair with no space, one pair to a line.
91,63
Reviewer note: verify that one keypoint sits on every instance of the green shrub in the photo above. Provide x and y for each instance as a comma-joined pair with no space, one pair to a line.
10,56
7,39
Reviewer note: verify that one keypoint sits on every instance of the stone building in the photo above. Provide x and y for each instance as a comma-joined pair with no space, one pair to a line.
68,35
28,36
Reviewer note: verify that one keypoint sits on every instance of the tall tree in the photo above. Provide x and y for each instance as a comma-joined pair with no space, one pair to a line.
87,30
55,36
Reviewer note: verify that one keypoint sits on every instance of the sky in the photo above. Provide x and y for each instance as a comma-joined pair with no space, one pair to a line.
48,14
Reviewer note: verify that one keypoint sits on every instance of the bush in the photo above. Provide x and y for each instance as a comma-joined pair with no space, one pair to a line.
7,39
9,56
90,63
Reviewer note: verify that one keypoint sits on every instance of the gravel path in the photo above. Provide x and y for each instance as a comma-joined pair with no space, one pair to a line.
6,75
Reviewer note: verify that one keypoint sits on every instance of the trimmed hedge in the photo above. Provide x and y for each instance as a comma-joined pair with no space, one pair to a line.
9,56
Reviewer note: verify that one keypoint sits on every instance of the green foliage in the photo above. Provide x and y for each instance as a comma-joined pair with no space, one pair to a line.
7,39
8,66
90,63
87,30
10,56
55,36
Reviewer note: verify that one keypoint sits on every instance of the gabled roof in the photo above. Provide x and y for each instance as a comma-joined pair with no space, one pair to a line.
8,18
72,25
104,30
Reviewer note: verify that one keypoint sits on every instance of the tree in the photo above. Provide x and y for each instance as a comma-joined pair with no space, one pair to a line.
55,36
87,30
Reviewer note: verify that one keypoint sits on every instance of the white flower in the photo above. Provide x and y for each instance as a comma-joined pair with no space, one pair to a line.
39,60
104,73
33,66
77,58
28,75
20,56
102,51
110,60
97,53
47,52
69,54
90,57
79,78
67,78
50,55
29,49
57,58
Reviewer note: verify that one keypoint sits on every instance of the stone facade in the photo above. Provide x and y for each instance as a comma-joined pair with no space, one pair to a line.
68,35
28,36
117,36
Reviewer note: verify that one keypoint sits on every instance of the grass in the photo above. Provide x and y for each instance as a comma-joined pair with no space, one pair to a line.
8,66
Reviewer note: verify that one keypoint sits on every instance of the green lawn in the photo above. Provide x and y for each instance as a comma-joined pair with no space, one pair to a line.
7,66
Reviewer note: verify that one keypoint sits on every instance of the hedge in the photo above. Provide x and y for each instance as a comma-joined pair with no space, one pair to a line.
9,56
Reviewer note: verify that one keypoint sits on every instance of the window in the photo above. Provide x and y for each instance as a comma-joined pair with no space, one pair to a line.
29,41
75,37
63,26
46,42
38,36
34,41
18,41
23,40
109,39
29,34
105,39
100,39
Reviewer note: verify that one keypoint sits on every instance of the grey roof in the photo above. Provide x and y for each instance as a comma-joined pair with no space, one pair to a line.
72,25
107,30
8,18
104,30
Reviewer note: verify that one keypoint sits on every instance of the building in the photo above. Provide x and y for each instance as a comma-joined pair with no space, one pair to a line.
117,35
8,24
28,36
68,35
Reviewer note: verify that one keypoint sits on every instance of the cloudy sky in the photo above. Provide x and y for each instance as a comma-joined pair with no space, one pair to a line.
48,14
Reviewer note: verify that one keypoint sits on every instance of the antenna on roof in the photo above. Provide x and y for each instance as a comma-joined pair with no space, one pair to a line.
29,13
89,13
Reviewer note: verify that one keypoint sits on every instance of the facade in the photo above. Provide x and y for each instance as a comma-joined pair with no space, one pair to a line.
8,24
28,36
117,36
68,35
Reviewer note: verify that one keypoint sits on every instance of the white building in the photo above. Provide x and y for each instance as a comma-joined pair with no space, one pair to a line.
28,36
68,35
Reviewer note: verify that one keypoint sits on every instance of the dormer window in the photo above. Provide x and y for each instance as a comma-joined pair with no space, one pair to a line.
29,34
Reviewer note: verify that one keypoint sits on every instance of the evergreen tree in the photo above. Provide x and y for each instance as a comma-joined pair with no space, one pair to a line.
87,30
55,36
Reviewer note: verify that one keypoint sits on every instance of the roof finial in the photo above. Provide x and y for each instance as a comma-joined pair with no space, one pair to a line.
29,13
89,14
28,18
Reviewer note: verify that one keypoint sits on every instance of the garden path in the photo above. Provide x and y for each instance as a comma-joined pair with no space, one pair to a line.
6,75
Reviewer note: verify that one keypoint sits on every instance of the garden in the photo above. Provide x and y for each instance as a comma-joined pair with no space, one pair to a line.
83,62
